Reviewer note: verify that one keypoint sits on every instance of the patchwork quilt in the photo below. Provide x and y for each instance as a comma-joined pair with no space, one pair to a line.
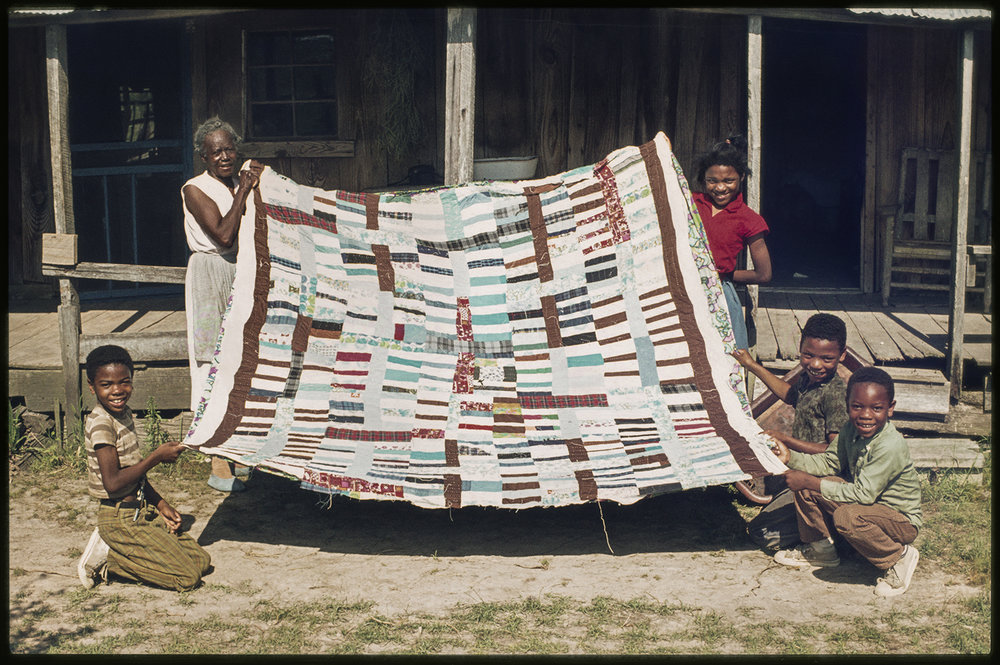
510,344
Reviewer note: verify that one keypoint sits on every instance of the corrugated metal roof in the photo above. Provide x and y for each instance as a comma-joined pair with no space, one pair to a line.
51,11
942,14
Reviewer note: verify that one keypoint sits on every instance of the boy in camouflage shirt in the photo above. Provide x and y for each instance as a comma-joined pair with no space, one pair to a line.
820,413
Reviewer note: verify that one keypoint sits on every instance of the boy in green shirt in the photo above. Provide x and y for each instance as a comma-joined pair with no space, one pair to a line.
864,487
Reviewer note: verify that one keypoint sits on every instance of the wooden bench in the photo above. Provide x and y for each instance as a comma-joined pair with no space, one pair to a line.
916,231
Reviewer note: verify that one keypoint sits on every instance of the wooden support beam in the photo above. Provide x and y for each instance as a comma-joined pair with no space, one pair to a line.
122,272
460,95
755,66
59,249
143,347
960,258
871,217
57,84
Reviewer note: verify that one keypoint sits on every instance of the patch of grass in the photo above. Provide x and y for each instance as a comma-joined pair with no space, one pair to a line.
970,631
958,525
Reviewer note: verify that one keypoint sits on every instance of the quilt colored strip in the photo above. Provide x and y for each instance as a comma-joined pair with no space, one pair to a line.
509,344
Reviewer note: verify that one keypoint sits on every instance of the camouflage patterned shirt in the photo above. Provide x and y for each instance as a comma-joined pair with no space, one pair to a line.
820,409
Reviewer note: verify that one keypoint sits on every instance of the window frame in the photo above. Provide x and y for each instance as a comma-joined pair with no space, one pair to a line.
292,146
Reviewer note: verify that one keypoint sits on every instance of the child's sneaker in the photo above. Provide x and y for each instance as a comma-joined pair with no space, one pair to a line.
897,579
820,554
94,562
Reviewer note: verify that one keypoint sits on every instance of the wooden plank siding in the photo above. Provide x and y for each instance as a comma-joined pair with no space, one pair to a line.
565,84
29,200
908,70
544,76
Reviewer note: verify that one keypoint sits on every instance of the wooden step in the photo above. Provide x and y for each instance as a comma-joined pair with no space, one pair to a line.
945,453
921,394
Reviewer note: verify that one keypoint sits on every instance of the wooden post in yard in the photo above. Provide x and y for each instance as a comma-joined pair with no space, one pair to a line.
62,203
460,95
959,250
755,66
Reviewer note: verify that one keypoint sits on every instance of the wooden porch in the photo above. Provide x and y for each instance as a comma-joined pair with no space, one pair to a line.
908,332
902,336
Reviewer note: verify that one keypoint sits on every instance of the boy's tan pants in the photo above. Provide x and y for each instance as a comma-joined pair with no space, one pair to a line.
877,532
142,550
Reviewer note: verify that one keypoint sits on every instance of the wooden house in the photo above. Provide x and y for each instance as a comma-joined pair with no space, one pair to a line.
103,104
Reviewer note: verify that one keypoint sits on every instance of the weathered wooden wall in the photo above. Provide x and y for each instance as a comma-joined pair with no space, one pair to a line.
571,85
567,85
29,182
913,79
360,33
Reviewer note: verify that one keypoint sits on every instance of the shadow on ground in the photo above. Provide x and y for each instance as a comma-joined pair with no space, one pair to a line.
277,511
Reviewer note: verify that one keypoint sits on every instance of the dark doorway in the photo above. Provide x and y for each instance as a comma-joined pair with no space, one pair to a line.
813,152
129,128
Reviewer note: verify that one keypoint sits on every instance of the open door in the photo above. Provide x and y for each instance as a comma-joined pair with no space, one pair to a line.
813,152
129,120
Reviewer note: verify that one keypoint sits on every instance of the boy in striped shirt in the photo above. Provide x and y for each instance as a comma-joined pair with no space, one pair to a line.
130,540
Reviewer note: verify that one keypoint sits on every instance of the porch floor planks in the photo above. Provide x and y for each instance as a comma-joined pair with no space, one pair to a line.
33,337
829,303
767,345
786,330
33,340
977,338
913,345
881,344
803,307
922,327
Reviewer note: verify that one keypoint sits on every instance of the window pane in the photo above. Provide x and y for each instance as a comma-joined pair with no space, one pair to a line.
315,83
316,119
313,47
269,48
272,120
273,84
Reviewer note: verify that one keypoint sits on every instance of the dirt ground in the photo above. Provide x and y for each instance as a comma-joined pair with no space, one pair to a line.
278,542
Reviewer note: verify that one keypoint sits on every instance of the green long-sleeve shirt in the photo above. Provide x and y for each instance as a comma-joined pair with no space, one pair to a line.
877,470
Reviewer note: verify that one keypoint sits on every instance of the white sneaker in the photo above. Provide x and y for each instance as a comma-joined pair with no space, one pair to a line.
897,579
819,554
94,561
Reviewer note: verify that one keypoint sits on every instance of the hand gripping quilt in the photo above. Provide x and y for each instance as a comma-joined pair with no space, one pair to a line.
511,344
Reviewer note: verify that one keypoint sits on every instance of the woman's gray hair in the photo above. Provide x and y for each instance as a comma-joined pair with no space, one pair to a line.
213,124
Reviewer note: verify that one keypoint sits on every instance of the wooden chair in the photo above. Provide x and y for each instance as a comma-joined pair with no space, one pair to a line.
916,232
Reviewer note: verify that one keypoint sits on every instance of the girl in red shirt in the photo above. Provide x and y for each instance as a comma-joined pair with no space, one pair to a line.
730,225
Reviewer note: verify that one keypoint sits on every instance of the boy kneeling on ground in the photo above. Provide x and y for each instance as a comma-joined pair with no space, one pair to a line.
864,486
129,540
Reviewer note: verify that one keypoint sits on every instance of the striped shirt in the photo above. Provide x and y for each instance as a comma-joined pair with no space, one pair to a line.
102,429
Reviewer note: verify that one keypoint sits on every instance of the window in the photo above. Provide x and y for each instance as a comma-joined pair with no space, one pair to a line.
291,84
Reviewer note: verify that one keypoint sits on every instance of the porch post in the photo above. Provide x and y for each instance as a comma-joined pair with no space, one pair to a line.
62,204
959,251
460,95
755,65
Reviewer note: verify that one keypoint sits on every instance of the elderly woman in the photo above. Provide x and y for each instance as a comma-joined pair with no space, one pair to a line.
214,203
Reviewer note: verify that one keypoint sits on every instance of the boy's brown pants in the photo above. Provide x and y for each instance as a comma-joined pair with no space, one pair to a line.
878,532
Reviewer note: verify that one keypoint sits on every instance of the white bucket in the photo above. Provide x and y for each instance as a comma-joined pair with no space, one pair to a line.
505,168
